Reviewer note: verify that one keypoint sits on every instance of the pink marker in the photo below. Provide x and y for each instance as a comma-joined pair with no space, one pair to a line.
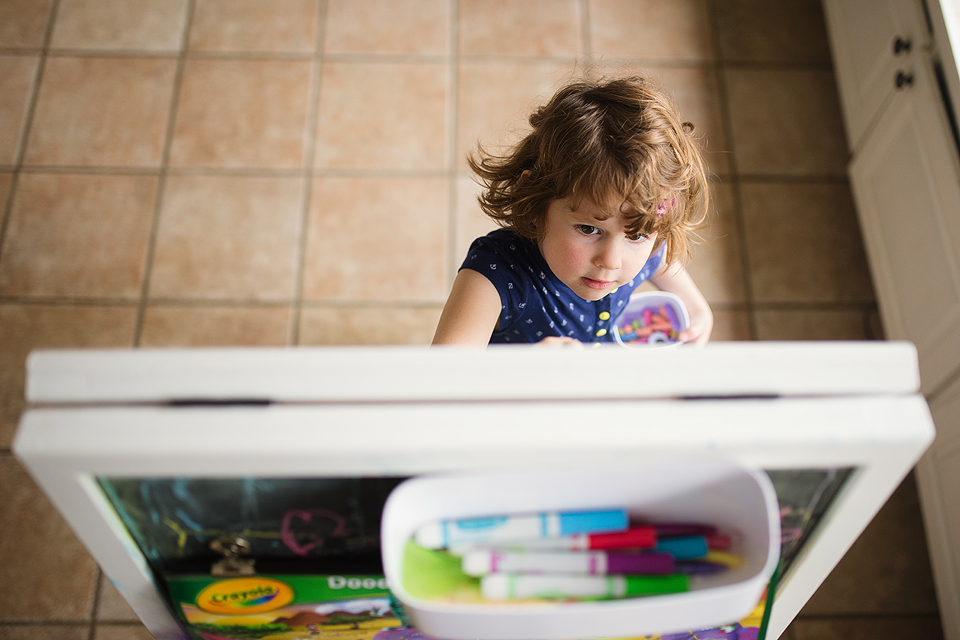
633,538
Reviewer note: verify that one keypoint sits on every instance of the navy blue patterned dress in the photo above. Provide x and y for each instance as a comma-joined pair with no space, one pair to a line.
535,303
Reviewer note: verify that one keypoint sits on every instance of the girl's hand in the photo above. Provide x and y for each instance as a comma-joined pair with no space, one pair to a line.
676,280
559,341
701,325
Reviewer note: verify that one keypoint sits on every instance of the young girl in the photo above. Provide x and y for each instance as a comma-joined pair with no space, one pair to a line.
600,197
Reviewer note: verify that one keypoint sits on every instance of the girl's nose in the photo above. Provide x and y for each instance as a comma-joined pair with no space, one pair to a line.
608,255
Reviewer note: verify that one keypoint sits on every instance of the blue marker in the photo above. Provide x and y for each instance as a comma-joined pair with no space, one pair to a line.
437,535
687,548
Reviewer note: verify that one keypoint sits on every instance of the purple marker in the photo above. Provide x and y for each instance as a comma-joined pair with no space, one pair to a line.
482,562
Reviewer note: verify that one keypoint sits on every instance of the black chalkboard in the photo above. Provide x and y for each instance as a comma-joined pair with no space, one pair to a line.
308,523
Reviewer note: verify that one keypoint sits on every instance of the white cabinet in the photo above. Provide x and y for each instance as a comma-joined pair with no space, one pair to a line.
905,176
906,183
888,35
938,477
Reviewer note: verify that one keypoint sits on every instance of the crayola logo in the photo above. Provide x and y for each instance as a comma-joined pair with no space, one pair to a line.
244,595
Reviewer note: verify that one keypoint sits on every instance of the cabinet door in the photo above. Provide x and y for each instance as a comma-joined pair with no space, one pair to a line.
905,181
938,476
864,37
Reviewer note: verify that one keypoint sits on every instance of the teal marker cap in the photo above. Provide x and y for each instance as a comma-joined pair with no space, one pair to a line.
686,548
656,585
575,522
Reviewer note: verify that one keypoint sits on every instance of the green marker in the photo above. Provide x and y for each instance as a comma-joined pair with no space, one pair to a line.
510,586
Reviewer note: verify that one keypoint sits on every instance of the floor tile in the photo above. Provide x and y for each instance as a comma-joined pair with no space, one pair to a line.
696,95
111,606
101,111
23,23
786,122
761,31
45,572
44,631
495,99
887,570
383,116
730,325
469,221
227,238
78,236
17,74
242,113
388,26
368,325
677,30
382,239
879,628
812,324
716,264
803,243
6,180
530,28
132,25
279,26
25,327
121,632
199,326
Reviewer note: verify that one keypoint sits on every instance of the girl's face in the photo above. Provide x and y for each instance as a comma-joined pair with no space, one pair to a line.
589,249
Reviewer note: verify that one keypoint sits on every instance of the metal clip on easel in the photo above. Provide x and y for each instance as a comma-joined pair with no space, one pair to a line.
232,548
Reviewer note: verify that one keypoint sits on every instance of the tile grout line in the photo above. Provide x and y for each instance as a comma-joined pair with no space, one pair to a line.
453,110
162,176
7,210
725,115
583,7
306,172
95,605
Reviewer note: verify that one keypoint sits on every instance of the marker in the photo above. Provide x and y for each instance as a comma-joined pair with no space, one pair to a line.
723,557
436,535
676,529
508,586
591,563
719,542
701,567
688,548
632,538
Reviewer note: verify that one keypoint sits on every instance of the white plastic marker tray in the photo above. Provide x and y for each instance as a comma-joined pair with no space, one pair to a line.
738,501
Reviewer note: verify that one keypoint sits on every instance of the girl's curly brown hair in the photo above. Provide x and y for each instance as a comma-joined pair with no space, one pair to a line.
595,140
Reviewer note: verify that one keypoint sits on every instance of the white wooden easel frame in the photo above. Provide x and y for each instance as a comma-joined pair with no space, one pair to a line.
407,411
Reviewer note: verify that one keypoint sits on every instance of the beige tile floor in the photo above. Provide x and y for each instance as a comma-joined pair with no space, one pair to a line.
208,172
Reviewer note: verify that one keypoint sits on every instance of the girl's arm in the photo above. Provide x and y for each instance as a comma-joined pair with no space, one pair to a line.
675,279
471,313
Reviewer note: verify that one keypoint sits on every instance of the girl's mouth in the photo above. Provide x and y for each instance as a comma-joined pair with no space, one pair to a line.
596,284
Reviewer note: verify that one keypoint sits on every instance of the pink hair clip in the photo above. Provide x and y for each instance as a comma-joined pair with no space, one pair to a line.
662,207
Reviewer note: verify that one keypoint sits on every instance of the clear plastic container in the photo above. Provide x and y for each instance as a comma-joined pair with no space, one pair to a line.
652,319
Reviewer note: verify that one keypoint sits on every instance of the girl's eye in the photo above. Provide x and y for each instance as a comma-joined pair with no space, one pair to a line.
587,230
639,237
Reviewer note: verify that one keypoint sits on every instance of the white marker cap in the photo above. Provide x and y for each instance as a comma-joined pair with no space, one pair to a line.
430,536
477,563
